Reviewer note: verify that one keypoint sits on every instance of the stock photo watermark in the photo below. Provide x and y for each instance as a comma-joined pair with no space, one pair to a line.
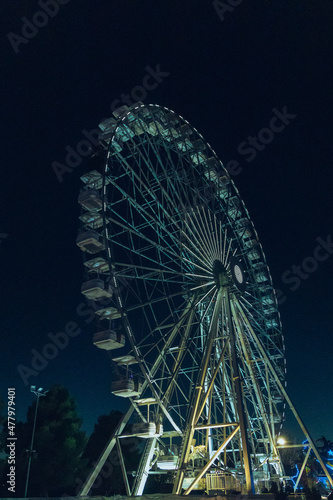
139,93
57,342
257,143
221,7
108,467
298,273
3,236
31,27
75,156
85,147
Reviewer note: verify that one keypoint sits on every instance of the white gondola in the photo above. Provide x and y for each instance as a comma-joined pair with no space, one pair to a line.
234,209
185,145
108,125
267,299
109,340
124,133
126,388
137,128
198,157
152,128
95,290
272,322
93,179
167,462
126,360
254,255
90,200
249,242
94,220
260,277
185,130
90,242
97,265
211,174
147,430
108,313
120,112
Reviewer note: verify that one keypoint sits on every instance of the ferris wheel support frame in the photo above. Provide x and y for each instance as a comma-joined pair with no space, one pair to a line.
138,488
145,459
198,406
284,392
194,415
239,400
86,487
122,423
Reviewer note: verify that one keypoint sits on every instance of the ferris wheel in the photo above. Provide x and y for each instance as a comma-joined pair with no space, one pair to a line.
183,290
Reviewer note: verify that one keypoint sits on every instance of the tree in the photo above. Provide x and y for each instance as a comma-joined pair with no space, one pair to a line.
59,445
326,450
291,456
110,481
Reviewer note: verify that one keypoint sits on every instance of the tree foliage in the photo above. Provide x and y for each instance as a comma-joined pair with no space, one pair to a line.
110,480
59,445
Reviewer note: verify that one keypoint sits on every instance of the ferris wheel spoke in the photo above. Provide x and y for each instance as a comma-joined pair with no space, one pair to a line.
174,189
195,255
202,255
204,234
218,239
224,244
142,256
206,295
227,255
195,264
149,220
212,236
137,233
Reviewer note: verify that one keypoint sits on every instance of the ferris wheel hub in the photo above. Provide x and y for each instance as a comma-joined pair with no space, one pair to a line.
220,274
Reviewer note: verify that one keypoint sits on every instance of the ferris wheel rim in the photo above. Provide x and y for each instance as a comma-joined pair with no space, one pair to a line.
108,174
139,106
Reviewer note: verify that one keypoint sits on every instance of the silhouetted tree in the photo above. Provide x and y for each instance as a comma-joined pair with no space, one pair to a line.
326,447
59,445
110,480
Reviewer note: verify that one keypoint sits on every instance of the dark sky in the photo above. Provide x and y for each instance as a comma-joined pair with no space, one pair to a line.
225,73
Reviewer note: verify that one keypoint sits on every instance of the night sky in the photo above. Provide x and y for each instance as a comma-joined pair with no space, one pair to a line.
228,73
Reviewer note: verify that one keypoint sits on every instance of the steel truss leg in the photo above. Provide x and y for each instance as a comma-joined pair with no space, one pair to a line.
123,469
284,392
302,469
239,401
105,454
195,408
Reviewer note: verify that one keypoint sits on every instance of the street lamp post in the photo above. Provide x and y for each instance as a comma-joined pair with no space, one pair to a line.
39,392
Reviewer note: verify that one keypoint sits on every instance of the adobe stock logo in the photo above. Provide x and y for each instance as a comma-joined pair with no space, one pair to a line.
150,81
84,147
75,155
57,342
301,272
40,19
3,236
257,143
222,7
